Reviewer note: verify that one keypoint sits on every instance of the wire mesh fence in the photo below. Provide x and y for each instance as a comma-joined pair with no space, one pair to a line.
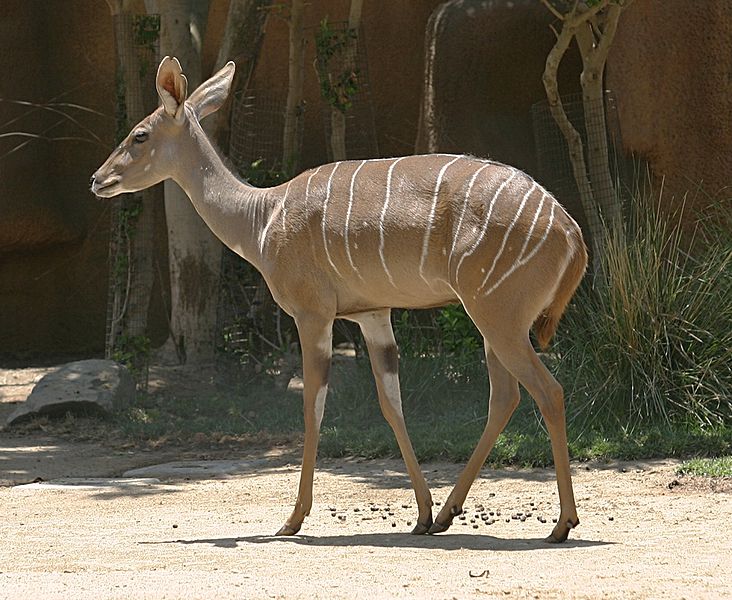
131,267
257,130
251,329
344,79
555,169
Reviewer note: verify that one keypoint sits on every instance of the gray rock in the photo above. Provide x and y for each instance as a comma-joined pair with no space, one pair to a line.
73,484
81,386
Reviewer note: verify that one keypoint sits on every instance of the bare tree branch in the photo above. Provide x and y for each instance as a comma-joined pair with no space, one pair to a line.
553,10
575,18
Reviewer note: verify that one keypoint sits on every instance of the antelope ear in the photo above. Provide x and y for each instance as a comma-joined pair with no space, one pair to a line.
172,87
212,93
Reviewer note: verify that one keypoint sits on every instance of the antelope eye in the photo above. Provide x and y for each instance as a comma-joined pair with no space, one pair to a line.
140,136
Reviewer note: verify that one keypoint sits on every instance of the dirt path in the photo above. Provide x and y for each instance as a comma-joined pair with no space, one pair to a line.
211,538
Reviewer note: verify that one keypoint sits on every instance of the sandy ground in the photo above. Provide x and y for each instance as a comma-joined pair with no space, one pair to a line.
196,532
182,536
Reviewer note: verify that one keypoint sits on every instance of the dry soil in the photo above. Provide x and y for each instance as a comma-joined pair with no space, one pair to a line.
197,533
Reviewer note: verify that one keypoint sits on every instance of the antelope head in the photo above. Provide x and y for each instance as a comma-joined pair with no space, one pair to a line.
152,151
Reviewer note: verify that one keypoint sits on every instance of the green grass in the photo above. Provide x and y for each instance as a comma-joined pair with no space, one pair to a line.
651,341
707,467
445,409
644,357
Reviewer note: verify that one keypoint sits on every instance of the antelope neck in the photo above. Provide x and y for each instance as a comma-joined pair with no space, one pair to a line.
235,211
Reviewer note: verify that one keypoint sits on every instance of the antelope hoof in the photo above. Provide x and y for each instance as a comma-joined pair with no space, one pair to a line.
444,519
423,528
440,527
288,530
560,534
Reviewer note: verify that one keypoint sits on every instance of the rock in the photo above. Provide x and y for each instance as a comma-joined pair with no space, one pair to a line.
97,385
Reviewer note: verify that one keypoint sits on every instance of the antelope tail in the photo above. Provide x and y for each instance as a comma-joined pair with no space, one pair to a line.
546,323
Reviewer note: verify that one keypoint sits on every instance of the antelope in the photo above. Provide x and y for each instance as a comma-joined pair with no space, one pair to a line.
354,239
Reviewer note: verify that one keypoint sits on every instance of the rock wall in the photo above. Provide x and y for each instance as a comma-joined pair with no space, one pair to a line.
671,67
53,232
483,67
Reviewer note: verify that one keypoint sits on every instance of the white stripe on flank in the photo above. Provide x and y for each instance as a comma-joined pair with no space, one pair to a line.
505,235
325,210
465,207
348,217
307,200
477,242
533,225
521,262
283,210
435,195
381,220
307,187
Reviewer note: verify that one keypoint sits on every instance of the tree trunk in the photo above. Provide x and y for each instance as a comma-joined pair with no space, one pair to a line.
574,143
194,252
138,219
293,111
594,56
350,54
241,42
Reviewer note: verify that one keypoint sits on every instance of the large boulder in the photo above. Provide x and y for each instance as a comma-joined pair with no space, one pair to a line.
81,386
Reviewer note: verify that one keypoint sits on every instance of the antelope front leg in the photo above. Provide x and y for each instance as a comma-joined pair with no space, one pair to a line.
384,356
316,337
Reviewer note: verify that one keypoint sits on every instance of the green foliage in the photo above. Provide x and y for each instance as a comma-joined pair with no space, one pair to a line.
133,352
262,175
146,32
653,343
459,335
129,211
445,331
337,89
445,419
707,467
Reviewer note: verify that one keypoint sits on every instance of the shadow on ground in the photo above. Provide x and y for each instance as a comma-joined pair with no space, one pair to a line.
388,540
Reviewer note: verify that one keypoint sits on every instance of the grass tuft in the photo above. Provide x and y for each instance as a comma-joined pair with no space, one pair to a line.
644,357
652,343
707,467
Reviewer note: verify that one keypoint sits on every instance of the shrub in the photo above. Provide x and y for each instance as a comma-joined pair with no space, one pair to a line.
651,340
